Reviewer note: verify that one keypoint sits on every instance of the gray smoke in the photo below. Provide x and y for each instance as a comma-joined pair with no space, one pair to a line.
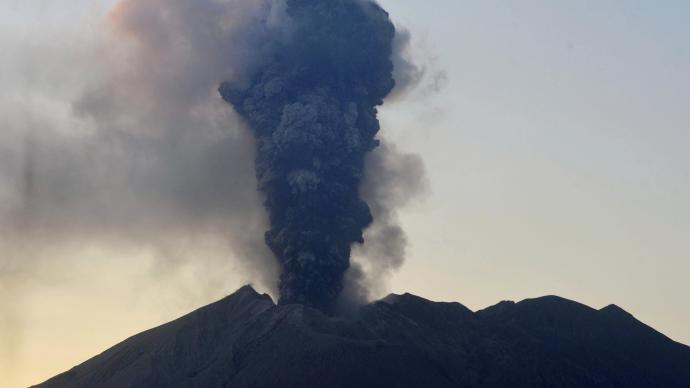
145,150
393,179
122,141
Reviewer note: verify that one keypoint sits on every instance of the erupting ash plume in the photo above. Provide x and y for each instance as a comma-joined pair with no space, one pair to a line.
125,145
312,106
121,163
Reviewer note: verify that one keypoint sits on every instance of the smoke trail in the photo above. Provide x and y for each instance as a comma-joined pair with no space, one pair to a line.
393,179
312,108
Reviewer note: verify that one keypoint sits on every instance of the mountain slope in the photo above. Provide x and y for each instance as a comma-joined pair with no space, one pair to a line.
245,340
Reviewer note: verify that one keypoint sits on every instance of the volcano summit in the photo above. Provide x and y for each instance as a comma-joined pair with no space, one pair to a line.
245,340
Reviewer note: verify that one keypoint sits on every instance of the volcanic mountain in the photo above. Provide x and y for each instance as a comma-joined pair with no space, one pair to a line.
245,340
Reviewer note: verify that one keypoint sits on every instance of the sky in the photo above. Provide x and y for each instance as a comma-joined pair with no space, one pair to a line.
554,137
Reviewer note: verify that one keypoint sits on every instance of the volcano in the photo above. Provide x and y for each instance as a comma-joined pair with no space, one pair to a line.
246,340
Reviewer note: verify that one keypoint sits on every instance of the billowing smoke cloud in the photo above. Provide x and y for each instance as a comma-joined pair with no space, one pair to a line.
120,142
312,108
119,159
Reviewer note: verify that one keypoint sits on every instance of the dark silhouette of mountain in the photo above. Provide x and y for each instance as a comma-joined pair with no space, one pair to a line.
245,340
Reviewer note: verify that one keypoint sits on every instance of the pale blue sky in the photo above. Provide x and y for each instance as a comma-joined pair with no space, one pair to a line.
556,150
558,154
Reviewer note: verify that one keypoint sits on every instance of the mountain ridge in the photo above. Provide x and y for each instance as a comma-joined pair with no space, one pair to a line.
245,340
